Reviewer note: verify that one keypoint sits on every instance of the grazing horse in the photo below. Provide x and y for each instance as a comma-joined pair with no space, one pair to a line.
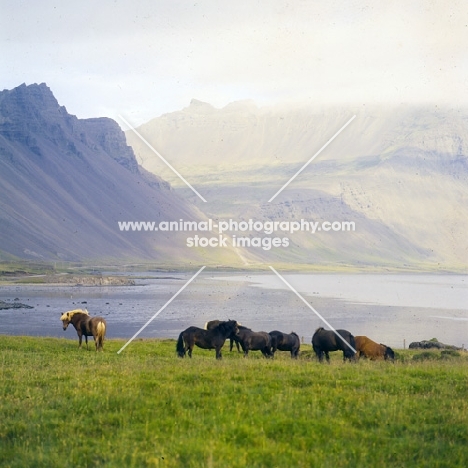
205,339
285,342
324,341
214,323
372,350
254,341
86,326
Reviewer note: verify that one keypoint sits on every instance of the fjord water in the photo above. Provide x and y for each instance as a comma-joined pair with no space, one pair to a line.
393,309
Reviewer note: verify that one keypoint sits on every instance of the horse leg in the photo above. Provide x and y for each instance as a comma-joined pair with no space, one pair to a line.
231,345
86,339
80,339
98,342
273,351
218,353
319,354
327,356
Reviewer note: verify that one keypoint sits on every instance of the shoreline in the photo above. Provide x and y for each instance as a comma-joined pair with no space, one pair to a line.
211,296
30,272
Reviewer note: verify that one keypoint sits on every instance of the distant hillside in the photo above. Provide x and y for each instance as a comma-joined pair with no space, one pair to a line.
65,183
241,133
400,173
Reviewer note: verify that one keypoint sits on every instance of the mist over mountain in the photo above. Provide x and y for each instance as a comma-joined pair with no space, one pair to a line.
65,183
400,173
242,133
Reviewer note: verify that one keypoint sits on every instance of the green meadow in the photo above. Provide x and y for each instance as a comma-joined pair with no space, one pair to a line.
65,407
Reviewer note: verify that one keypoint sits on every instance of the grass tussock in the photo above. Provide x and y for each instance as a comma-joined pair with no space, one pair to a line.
60,406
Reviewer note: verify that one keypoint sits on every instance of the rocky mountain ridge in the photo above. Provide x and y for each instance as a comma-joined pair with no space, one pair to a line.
65,183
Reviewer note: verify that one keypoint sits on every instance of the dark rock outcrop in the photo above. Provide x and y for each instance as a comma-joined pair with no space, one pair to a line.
430,344
14,305
89,280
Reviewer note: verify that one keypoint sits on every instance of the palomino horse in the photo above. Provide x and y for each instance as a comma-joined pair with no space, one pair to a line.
86,326
205,339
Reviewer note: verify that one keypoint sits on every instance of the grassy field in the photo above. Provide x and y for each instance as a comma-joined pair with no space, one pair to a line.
64,407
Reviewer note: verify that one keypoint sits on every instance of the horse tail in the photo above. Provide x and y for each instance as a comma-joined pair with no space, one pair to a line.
180,346
100,334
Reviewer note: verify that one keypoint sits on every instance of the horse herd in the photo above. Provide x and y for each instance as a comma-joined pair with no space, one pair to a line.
216,332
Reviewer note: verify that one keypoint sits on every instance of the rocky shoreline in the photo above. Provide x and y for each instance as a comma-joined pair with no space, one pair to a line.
70,280
14,305
88,280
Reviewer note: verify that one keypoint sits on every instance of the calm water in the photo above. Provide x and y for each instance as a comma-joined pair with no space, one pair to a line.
432,291
393,309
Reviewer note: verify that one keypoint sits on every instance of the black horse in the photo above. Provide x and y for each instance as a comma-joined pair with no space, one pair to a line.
324,341
254,341
214,323
205,339
285,342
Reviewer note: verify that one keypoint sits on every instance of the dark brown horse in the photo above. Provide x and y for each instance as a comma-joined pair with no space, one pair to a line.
285,342
214,323
205,339
324,341
86,326
254,341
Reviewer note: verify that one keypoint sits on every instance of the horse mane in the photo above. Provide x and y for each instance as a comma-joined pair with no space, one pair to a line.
294,333
68,315
319,328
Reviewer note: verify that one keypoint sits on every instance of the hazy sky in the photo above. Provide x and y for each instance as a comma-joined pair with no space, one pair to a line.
145,58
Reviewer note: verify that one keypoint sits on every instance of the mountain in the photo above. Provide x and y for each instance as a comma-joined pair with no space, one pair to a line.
242,134
65,183
400,173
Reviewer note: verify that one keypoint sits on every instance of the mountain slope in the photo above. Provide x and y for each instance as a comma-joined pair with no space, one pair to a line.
400,173
242,134
65,183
